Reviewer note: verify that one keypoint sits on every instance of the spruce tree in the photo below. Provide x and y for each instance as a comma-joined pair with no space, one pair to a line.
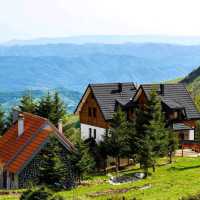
58,110
52,107
45,106
54,171
115,139
197,132
172,144
27,104
140,140
151,134
156,129
81,160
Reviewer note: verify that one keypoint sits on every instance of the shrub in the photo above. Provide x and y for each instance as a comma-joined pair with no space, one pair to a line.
192,197
40,193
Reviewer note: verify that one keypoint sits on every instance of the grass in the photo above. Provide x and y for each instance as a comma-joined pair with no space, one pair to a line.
169,182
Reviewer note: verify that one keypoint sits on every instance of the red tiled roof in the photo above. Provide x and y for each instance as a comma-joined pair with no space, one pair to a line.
16,151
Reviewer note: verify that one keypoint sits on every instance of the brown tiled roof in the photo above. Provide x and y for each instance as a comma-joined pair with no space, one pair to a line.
16,151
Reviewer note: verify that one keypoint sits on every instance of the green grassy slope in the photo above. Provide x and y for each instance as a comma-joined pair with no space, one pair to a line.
169,182
193,81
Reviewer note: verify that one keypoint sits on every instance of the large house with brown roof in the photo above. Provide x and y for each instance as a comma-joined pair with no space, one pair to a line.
21,146
100,101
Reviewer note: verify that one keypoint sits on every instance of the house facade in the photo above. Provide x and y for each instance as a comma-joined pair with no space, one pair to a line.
98,105
100,101
21,148
177,104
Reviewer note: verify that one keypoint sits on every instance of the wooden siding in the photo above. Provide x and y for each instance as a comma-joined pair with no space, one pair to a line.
84,113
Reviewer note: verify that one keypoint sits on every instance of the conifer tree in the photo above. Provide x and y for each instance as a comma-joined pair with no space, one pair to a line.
156,130
53,171
52,107
151,134
197,132
115,139
81,160
58,110
45,105
27,104
172,144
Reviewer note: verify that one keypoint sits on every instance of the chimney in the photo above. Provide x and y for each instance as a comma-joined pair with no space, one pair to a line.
20,124
60,126
120,87
162,90
15,115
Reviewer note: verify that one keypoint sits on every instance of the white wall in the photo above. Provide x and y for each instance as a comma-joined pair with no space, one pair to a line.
191,135
85,132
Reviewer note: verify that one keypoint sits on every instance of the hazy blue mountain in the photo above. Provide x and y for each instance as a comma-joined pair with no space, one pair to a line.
110,39
11,99
73,66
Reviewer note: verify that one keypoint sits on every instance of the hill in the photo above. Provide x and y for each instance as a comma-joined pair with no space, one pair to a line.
73,66
110,39
11,99
193,81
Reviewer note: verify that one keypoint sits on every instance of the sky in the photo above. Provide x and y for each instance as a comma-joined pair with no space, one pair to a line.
27,19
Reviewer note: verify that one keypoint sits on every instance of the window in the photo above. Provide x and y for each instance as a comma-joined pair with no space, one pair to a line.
95,133
94,112
90,132
89,112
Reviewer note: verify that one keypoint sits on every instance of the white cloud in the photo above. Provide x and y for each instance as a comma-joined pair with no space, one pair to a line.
52,18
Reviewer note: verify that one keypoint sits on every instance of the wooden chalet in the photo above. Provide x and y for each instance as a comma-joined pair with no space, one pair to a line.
98,105
177,104
100,101
21,146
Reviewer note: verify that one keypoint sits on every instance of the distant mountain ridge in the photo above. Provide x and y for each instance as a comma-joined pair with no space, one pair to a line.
10,99
74,66
109,39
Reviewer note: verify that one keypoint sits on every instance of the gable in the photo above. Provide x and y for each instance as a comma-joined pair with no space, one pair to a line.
175,95
16,151
89,105
106,95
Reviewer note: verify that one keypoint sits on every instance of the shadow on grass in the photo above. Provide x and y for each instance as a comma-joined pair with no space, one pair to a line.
182,168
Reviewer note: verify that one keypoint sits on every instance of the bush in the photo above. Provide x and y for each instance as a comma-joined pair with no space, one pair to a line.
192,197
42,193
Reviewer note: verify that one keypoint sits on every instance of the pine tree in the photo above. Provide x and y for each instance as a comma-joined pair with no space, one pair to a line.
197,132
151,134
52,107
115,139
53,171
2,121
58,110
81,160
45,105
172,144
156,130
140,140
27,104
